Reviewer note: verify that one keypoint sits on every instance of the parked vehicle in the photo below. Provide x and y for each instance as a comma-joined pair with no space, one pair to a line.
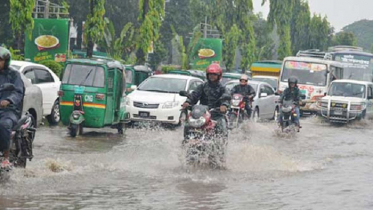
92,95
33,100
347,100
203,146
237,112
22,137
272,80
194,73
157,98
264,103
48,82
135,75
314,77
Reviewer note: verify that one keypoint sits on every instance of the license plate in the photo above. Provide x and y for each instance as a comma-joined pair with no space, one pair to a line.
338,112
144,114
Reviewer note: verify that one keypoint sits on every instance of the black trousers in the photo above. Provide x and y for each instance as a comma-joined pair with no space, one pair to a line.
8,120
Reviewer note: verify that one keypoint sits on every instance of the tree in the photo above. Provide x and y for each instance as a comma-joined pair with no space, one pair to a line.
95,24
264,42
319,32
280,14
151,16
345,38
300,22
230,47
20,17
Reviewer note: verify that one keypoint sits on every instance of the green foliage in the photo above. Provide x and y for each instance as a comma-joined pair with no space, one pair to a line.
345,38
230,46
6,36
319,32
54,66
160,53
184,57
167,68
95,24
300,22
20,17
264,42
16,54
363,31
151,16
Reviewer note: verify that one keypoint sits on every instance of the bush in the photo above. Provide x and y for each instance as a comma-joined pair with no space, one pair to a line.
166,69
54,66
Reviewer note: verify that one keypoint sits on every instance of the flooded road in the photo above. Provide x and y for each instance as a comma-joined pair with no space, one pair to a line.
323,167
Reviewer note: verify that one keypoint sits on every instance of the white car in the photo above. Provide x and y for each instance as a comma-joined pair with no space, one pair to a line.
347,100
157,98
48,82
272,80
265,104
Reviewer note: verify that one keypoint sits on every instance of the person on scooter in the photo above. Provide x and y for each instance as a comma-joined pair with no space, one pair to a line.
246,90
292,93
208,94
10,104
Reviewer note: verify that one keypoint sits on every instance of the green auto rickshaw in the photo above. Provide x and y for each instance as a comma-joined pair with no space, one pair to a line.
135,76
92,94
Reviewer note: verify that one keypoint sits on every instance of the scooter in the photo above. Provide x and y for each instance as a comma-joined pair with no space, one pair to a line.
203,146
22,137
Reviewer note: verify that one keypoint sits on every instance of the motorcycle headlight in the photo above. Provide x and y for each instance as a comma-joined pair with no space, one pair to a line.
75,116
235,102
170,104
286,109
195,123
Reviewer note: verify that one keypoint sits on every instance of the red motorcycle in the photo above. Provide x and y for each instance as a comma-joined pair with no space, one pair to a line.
203,145
236,114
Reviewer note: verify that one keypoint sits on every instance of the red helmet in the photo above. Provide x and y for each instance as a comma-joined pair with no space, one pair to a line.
214,69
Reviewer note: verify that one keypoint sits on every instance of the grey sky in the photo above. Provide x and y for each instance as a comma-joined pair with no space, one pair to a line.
340,12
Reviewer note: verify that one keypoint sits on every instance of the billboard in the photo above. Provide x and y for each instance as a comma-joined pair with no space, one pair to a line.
206,52
49,40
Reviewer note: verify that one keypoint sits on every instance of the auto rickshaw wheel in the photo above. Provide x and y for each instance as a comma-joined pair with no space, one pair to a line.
120,128
76,130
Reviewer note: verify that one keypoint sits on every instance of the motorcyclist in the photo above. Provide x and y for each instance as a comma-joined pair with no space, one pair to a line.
246,90
208,94
10,103
292,93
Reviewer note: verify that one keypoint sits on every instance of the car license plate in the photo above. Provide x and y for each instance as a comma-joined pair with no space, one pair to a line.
144,114
338,112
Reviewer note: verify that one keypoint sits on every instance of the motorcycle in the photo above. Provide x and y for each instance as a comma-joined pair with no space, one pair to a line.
288,116
22,137
203,145
237,111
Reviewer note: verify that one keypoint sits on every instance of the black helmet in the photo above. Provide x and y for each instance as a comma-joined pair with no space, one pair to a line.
6,56
292,80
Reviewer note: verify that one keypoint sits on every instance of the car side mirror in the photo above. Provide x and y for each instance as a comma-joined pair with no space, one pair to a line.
263,95
183,93
8,87
133,87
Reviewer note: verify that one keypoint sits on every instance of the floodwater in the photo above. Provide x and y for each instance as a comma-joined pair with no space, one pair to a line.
322,167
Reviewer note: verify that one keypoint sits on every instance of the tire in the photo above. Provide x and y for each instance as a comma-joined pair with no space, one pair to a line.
362,117
256,117
120,128
76,130
54,118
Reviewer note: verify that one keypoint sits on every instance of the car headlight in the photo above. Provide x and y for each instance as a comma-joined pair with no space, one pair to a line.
128,101
235,102
195,123
76,116
357,107
170,104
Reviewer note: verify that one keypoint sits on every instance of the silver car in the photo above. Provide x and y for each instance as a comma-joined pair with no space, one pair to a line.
33,100
265,104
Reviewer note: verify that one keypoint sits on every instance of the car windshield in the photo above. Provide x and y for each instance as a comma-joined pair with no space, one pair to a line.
16,67
129,76
356,67
271,81
307,73
164,85
347,90
78,74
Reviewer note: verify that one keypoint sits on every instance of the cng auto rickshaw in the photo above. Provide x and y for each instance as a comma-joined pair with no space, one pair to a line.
92,94
135,76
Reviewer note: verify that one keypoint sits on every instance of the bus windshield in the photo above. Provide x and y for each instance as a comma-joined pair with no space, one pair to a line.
356,66
307,73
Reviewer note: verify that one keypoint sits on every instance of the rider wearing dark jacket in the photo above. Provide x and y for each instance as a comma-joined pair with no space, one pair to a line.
292,93
208,94
246,90
10,103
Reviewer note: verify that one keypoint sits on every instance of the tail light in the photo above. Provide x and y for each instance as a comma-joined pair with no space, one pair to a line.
100,96
60,93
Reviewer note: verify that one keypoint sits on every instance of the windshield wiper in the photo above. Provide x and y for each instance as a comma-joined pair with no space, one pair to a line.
86,77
